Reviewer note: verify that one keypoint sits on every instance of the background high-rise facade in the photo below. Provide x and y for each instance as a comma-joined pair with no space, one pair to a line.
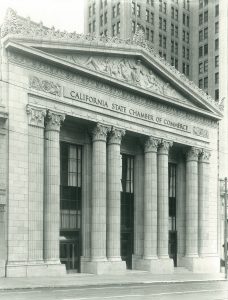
184,32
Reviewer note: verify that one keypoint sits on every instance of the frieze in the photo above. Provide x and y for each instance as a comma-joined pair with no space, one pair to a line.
46,86
104,87
25,28
200,132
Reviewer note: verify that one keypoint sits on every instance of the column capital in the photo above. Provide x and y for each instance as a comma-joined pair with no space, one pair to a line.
54,120
36,115
116,135
204,155
100,132
151,144
164,146
193,154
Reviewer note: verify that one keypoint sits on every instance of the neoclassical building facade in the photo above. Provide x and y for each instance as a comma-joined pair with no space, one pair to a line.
109,157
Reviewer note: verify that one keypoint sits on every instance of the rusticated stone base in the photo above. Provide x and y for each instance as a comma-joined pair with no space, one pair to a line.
103,267
206,264
155,266
34,269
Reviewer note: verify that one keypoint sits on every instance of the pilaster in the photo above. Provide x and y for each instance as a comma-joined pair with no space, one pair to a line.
36,117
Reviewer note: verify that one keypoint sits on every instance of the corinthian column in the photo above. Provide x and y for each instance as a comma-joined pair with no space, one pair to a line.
203,201
98,224
52,187
36,180
163,199
150,199
192,202
113,195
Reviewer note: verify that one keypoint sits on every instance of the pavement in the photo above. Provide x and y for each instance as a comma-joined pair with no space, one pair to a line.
131,277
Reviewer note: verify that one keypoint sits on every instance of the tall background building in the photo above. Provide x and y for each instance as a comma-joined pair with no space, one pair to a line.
184,32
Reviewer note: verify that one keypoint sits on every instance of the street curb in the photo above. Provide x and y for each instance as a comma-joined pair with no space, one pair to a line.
100,285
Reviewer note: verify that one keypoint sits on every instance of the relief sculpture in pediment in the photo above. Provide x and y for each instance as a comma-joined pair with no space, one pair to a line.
129,70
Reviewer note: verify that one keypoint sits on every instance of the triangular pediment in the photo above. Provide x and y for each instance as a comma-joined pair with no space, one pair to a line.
129,70
131,64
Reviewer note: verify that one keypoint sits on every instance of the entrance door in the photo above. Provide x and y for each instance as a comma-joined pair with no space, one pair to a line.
172,214
127,210
70,254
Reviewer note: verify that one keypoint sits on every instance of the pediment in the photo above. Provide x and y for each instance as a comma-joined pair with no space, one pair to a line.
126,69
131,64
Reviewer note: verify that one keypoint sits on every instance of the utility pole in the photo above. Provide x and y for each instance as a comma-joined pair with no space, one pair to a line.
225,227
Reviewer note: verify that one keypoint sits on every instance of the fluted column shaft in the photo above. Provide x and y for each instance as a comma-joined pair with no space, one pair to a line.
203,201
36,182
113,195
192,202
52,187
98,225
150,199
163,199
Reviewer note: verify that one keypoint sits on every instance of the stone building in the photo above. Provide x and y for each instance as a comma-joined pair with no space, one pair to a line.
108,157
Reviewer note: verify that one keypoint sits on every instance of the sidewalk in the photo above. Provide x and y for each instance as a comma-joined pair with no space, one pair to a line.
83,280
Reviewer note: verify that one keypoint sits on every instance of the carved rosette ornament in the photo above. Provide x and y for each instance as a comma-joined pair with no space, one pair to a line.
164,146
193,154
54,120
204,156
116,135
151,144
36,115
100,132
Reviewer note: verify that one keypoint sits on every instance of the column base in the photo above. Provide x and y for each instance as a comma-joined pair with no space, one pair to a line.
153,265
34,269
102,267
202,264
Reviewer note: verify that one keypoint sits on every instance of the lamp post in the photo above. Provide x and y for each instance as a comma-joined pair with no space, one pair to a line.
223,194
225,227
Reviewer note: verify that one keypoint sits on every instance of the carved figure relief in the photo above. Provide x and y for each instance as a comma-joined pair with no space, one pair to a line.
130,70
45,86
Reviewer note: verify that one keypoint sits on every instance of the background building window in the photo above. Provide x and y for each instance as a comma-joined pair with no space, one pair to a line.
216,10
200,19
200,35
206,33
201,51
205,65
216,27
138,10
205,16
206,82
217,94
216,61
206,49
201,68
201,83
216,44
217,78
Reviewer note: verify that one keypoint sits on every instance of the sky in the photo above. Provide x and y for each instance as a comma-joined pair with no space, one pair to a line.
62,14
